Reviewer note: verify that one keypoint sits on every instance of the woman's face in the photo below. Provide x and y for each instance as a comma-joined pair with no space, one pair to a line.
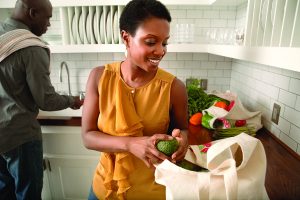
149,45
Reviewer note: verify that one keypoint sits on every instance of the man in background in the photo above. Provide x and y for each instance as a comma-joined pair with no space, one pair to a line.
25,88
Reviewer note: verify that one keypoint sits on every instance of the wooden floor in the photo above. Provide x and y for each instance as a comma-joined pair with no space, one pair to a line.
283,170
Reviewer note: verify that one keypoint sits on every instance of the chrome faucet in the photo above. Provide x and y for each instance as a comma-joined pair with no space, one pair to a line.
60,75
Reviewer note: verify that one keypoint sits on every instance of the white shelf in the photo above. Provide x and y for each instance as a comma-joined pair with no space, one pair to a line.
103,48
89,48
64,3
283,57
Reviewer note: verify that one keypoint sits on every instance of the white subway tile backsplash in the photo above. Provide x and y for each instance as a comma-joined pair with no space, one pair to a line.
208,65
288,141
295,133
223,65
227,73
287,98
213,57
199,73
194,14
184,72
106,56
203,23
219,23
90,56
119,56
284,125
176,64
292,115
297,107
276,80
184,56
170,56
227,14
75,56
223,81
211,14
178,13
215,73
269,90
200,56
192,64
294,86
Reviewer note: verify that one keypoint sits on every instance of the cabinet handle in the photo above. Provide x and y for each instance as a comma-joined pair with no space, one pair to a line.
44,164
49,165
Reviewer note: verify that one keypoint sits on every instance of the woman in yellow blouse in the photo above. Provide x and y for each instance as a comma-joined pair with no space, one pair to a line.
132,104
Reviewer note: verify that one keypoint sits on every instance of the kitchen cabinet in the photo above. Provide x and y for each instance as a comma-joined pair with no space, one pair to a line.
69,165
271,30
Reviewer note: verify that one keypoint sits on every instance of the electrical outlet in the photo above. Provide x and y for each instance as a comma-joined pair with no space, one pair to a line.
275,113
203,84
189,81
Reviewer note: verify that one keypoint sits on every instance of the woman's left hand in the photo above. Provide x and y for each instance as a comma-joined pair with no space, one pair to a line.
181,137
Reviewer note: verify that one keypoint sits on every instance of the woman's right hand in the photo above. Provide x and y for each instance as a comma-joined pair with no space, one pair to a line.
145,148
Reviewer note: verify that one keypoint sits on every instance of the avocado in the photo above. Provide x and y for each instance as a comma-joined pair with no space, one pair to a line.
190,166
168,147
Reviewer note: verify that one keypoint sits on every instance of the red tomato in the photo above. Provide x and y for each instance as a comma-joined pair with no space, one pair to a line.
196,119
239,123
221,104
229,107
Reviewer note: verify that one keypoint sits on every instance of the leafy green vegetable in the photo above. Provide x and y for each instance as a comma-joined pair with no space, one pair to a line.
198,100
230,132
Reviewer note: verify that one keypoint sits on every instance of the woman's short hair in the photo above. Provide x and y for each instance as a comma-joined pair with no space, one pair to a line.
137,11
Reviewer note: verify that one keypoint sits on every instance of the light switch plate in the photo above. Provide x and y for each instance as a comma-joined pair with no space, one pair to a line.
275,113
203,84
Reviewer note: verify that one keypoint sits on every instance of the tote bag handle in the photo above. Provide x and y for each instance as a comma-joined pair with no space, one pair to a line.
221,162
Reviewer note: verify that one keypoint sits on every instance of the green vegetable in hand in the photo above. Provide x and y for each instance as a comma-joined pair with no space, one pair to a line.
190,166
168,147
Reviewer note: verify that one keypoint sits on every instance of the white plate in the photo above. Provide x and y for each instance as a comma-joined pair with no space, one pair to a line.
102,28
108,28
96,22
81,28
84,16
88,28
74,29
263,14
274,2
116,27
91,24
120,10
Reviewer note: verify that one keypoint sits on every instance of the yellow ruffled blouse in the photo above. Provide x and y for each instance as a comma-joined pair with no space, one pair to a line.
126,111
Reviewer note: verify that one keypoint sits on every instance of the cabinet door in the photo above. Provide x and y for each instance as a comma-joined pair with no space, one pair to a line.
46,193
70,177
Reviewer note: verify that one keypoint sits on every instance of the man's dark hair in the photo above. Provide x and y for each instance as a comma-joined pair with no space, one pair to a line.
137,11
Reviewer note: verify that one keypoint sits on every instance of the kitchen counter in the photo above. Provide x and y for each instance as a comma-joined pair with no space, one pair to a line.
283,165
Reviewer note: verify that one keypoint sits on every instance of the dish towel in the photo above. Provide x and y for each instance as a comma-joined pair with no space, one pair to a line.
17,39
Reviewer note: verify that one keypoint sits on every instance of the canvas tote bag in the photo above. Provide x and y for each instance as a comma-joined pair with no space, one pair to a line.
229,176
